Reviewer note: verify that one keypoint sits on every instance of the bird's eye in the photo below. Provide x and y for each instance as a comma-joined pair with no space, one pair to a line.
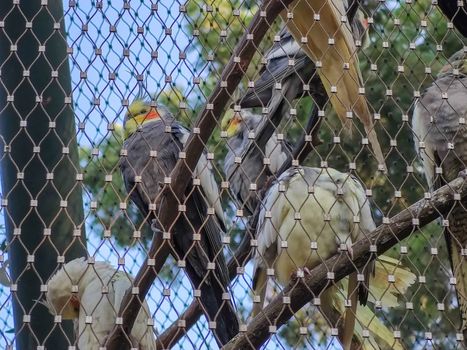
143,111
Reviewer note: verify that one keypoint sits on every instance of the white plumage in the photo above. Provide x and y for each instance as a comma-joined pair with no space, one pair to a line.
308,215
91,294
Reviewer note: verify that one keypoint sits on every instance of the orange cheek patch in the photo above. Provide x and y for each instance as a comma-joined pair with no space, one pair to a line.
151,115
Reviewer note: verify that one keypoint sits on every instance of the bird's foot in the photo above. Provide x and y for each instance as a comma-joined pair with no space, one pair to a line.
347,247
350,251
300,273
463,174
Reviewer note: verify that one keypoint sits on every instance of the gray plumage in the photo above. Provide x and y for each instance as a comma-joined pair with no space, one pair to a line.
441,140
251,171
166,137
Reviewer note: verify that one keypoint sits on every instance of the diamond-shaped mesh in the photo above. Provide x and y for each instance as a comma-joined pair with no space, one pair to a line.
97,100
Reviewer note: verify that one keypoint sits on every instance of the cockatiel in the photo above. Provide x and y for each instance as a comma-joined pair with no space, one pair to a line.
247,175
308,215
90,293
329,41
441,140
303,72
153,141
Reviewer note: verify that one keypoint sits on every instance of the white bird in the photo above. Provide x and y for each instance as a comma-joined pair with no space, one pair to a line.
90,293
309,215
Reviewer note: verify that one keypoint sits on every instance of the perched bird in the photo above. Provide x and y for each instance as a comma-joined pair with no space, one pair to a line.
94,304
441,140
308,215
456,12
320,21
278,68
153,141
248,175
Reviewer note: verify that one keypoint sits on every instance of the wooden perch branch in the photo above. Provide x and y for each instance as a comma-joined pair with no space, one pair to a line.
243,253
382,238
181,174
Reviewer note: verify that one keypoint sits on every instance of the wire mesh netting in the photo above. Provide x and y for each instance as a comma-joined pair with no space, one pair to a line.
348,113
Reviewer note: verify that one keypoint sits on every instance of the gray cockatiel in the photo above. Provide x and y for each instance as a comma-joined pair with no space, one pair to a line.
278,68
307,216
247,177
441,139
153,140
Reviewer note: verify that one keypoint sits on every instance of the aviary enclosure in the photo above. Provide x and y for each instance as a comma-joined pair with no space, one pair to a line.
233,174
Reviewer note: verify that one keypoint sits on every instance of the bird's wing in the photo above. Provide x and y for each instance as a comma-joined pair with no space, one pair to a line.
151,169
204,197
277,70
346,81
286,47
268,228
97,305
420,126
204,171
277,152
142,332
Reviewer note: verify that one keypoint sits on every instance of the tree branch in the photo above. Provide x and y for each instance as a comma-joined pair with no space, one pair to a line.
204,126
279,311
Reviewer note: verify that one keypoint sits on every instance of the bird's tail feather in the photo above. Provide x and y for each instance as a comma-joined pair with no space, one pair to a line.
456,241
221,311
351,312
260,283
379,336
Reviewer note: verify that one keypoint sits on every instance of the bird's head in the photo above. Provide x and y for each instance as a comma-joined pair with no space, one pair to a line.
139,113
235,122
61,299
